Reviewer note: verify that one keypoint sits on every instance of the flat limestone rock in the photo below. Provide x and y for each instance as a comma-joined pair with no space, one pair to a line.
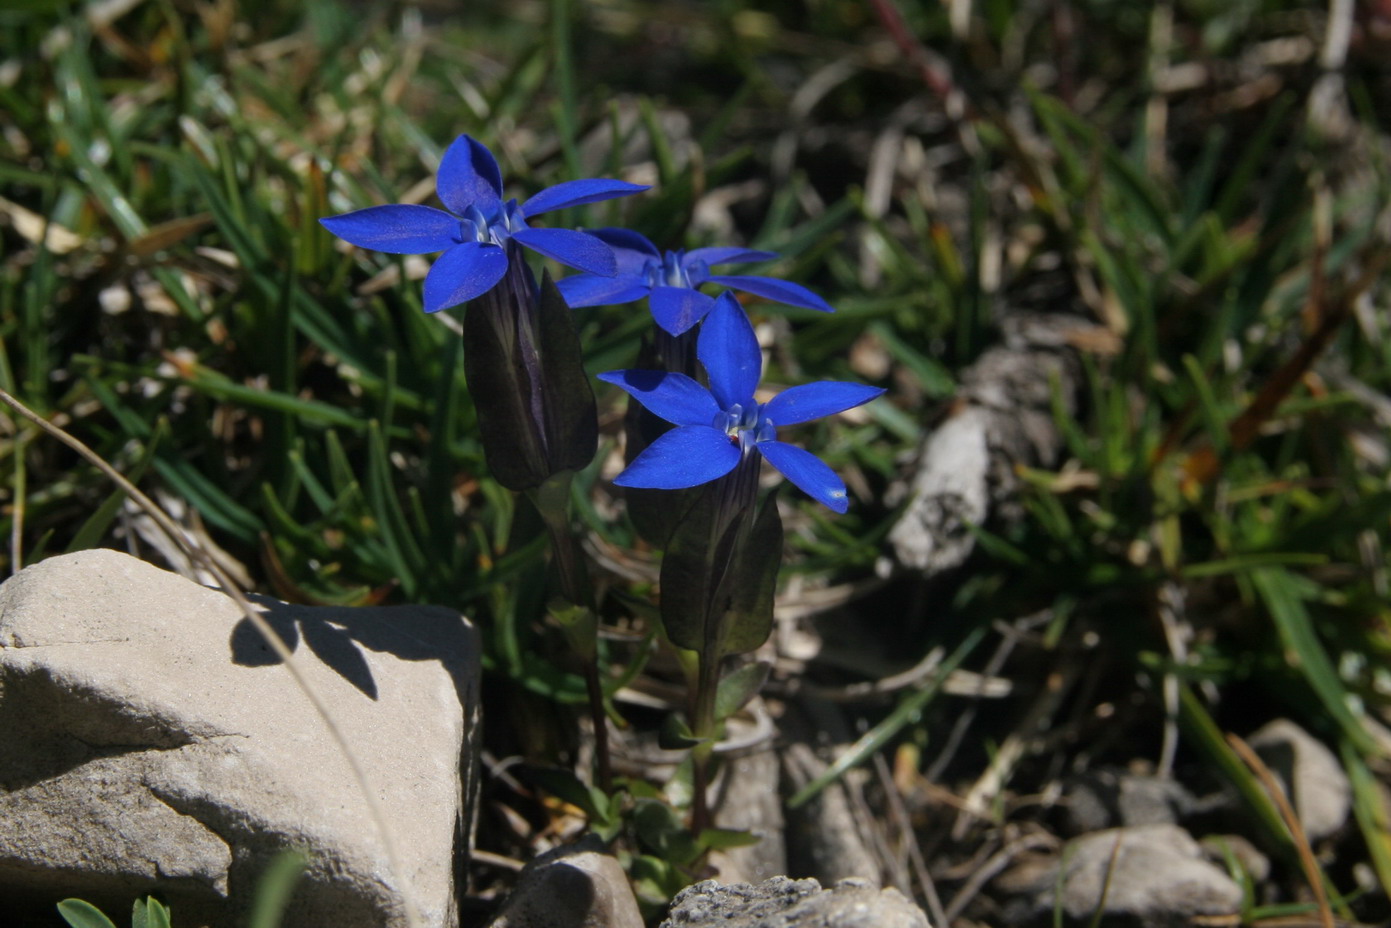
576,886
1310,773
1155,876
784,903
151,743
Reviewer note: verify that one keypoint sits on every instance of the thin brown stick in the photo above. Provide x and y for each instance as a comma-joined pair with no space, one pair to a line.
230,587
21,493
1301,840
910,840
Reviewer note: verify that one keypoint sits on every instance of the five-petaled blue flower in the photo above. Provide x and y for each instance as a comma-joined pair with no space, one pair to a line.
718,427
672,280
475,233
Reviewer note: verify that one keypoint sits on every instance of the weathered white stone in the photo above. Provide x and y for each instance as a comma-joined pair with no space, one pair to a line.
151,742
577,886
1152,875
784,903
1310,773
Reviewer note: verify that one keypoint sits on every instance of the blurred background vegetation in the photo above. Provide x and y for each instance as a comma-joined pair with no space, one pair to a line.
1198,188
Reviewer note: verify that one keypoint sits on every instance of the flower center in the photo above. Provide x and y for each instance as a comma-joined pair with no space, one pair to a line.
669,271
491,229
745,425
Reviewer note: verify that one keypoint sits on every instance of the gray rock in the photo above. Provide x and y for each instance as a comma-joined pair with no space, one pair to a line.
151,744
784,903
1153,875
576,886
823,834
1002,417
1321,794
1219,847
748,799
1107,798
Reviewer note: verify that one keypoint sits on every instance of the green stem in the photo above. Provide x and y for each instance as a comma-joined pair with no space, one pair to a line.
705,727
577,617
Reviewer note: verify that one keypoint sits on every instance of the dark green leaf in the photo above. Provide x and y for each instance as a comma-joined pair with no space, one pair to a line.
275,888
660,829
572,423
675,734
738,687
718,586
723,839
81,914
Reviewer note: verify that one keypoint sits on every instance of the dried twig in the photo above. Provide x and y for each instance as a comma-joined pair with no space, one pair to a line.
1301,840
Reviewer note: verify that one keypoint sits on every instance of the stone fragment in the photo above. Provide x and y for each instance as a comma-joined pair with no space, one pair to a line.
1155,876
1219,847
153,745
784,903
823,834
1108,797
747,799
1321,793
1002,417
576,886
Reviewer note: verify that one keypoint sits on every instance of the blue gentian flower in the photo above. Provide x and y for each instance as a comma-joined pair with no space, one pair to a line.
718,427
475,233
672,280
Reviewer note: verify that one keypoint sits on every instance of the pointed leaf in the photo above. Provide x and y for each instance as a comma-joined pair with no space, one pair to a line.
718,585
724,839
469,176
595,290
572,421
399,229
808,472
729,350
80,914
675,397
464,272
748,620
675,734
737,687
814,400
684,457
156,914
570,248
659,828
498,381
677,309
275,887
770,288
632,250
713,256
577,193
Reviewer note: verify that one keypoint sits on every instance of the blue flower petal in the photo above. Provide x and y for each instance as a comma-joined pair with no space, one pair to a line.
808,472
399,229
631,249
577,193
684,457
593,290
770,288
469,176
714,256
675,397
570,247
729,350
462,273
814,400
676,309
